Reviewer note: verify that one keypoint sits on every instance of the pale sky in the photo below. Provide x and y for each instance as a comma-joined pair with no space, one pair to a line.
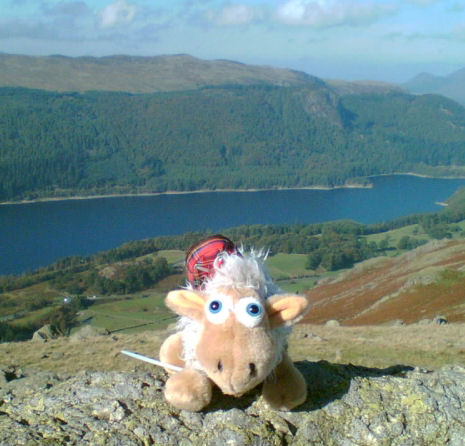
390,40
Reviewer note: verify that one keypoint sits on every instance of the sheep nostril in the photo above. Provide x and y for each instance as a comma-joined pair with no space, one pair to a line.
220,366
253,370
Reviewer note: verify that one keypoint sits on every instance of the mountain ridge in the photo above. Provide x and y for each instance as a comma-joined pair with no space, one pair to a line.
149,74
137,74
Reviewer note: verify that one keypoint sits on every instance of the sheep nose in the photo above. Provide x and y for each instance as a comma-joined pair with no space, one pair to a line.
220,366
253,370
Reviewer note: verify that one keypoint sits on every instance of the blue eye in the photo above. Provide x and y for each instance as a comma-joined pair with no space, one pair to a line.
215,306
254,309
249,311
218,309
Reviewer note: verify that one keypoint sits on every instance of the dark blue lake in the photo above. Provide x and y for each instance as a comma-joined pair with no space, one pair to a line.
36,234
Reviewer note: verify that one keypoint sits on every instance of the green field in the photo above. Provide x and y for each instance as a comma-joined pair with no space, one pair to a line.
287,266
139,311
129,315
173,256
395,235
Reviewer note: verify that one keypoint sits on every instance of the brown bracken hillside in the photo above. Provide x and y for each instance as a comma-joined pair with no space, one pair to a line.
420,284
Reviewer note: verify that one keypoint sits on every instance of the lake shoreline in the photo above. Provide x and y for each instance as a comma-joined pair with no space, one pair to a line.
203,191
199,191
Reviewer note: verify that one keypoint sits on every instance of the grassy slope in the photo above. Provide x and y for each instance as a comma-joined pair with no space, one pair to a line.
416,285
382,346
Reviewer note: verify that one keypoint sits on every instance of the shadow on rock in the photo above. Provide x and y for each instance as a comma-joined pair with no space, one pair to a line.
221,401
327,382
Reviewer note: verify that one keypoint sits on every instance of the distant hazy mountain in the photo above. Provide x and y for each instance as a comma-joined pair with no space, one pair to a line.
137,74
452,86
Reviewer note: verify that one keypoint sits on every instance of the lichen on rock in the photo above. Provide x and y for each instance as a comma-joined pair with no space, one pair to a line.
347,405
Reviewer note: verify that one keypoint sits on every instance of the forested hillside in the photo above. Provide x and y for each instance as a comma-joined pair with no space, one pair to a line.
58,144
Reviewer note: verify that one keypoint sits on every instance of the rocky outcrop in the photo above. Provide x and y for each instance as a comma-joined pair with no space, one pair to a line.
45,333
347,405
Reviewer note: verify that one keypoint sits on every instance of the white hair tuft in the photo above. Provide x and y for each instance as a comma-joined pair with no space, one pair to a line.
243,271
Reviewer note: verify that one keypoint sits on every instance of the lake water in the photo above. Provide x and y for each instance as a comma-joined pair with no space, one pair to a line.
37,234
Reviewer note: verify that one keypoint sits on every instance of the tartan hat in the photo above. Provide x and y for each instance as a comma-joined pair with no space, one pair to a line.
201,257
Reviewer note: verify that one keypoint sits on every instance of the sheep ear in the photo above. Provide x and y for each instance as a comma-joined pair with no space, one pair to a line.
286,309
186,303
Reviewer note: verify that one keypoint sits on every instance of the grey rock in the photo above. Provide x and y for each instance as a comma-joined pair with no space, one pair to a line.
312,337
332,323
347,405
439,320
397,322
88,331
424,322
44,334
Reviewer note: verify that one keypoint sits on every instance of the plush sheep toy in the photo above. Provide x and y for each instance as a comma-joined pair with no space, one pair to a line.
232,333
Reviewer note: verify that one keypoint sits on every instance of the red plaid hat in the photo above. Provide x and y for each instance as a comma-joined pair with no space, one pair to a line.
200,258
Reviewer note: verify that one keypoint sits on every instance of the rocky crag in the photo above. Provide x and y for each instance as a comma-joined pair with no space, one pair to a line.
347,405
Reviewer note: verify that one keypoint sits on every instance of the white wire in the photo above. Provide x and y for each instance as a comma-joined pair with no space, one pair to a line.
165,365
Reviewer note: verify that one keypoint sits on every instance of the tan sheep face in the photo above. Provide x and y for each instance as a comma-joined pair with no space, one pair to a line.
236,348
